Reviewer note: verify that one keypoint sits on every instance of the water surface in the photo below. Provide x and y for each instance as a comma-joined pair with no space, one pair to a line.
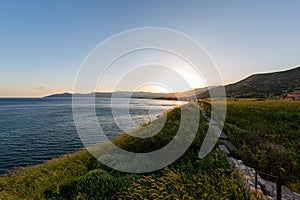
35,130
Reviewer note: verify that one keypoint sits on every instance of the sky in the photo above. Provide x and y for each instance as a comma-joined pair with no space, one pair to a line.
44,43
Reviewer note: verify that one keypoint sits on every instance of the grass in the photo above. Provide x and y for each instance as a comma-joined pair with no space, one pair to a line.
80,176
267,135
31,182
218,181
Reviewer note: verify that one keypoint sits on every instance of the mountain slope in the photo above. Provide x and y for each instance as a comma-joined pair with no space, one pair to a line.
264,85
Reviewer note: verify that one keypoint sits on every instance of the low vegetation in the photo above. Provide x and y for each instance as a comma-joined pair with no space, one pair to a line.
80,176
267,135
210,178
31,182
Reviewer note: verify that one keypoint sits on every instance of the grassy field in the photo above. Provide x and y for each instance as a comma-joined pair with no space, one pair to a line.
32,182
80,176
267,135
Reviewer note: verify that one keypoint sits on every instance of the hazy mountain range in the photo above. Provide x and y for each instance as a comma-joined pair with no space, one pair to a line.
257,85
138,95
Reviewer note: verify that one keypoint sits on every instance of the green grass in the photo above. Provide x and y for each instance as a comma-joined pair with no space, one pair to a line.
267,135
80,176
210,178
31,182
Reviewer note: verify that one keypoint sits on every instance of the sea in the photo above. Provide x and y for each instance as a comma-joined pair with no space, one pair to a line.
34,130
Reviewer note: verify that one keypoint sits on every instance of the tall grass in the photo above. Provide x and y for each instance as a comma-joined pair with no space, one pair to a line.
215,182
267,134
31,182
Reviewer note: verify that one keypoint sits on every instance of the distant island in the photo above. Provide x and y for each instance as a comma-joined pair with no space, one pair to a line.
264,85
119,94
137,95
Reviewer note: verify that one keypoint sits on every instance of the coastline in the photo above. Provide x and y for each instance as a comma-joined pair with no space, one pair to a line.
80,175
37,130
67,167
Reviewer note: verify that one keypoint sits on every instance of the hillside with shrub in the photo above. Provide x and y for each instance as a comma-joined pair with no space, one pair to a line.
264,85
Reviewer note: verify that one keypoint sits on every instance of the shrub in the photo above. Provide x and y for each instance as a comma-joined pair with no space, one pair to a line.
96,183
99,184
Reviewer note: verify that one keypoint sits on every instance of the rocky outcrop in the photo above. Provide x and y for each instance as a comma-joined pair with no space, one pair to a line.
268,188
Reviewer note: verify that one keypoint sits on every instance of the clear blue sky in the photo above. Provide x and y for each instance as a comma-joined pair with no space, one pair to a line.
43,43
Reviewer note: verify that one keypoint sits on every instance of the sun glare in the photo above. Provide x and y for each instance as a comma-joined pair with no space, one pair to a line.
155,89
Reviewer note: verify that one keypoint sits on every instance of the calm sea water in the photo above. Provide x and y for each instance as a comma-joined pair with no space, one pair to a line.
35,130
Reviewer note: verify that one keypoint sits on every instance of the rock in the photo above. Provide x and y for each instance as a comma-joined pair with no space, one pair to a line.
269,198
268,188
240,162
296,196
224,149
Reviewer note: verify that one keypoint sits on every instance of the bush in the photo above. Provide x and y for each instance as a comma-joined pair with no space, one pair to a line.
63,191
96,184
99,184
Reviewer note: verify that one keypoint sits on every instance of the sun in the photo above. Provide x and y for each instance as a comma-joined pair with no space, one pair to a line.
154,88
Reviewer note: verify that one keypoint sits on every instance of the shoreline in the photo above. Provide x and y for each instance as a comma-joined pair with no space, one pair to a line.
41,159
